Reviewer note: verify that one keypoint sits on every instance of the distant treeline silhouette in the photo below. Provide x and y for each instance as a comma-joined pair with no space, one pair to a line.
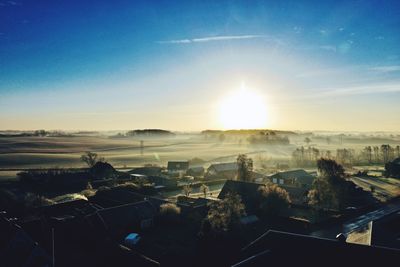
149,132
248,132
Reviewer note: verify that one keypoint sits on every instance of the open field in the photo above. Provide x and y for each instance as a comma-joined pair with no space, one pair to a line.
48,152
18,153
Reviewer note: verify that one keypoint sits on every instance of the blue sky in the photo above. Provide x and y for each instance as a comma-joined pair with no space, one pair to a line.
327,65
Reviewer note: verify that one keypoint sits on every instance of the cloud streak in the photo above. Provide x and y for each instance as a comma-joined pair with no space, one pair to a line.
393,87
212,39
386,69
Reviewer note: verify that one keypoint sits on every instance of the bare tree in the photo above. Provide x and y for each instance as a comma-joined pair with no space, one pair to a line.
187,189
91,158
376,154
204,188
385,150
368,153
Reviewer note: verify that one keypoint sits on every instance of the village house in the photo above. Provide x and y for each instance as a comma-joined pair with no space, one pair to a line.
250,196
246,190
178,166
148,170
123,219
222,171
17,248
195,171
164,181
296,178
273,246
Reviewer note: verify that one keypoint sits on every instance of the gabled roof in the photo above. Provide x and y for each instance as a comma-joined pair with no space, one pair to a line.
18,249
291,174
247,190
275,246
296,194
115,197
197,168
300,175
178,165
147,170
129,214
396,161
220,167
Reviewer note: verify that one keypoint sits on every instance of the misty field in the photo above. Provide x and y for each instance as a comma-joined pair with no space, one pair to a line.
18,153
49,152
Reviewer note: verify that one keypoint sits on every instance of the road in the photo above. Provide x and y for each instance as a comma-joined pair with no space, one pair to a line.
383,189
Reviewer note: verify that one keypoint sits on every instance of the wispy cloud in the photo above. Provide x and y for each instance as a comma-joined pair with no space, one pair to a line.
330,48
360,90
212,39
386,69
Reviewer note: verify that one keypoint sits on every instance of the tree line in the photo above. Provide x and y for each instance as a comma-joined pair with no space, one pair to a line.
308,156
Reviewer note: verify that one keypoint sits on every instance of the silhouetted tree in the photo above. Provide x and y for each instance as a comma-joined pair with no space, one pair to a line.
274,199
368,154
204,189
245,168
376,154
91,158
329,188
224,215
169,213
187,189
392,168
385,150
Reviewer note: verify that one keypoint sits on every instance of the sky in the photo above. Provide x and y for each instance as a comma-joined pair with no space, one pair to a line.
105,65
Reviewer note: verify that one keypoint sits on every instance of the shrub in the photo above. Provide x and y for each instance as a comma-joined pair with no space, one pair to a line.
224,215
169,213
274,199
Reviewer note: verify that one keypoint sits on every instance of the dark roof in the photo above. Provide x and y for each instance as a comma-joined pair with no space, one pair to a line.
178,165
197,169
103,170
247,190
74,207
115,197
274,247
220,167
386,231
147,170
396,161
126,215
18,249
192,201
301,176
296,194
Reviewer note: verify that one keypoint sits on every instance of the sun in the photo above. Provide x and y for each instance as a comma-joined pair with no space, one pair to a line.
243,109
